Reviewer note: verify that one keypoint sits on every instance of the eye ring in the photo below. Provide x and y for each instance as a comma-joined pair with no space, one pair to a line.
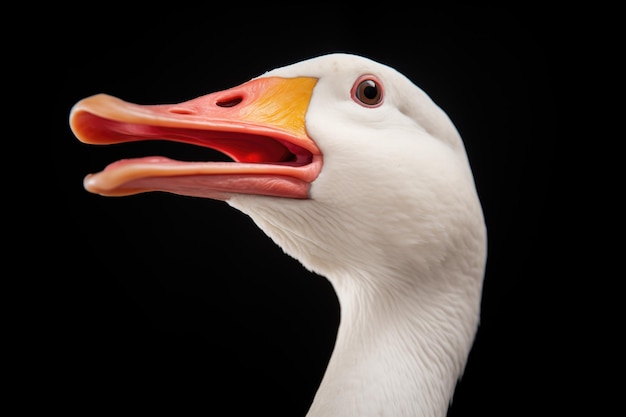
367,91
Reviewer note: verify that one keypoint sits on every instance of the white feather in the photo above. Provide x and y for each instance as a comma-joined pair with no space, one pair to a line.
395,224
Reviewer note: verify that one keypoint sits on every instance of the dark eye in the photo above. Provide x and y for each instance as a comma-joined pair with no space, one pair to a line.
368,91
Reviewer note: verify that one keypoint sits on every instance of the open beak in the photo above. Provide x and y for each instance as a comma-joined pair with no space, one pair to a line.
259,124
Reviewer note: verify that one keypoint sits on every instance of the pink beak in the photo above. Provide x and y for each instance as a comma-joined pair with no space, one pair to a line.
259,124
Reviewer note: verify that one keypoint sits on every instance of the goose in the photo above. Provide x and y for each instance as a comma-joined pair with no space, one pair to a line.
354,171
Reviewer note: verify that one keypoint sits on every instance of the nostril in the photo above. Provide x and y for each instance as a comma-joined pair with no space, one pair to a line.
179,110
230,102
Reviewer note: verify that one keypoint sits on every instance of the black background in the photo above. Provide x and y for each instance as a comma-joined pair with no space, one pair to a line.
167,303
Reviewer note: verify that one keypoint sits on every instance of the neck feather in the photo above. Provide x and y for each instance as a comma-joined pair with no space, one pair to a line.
399,351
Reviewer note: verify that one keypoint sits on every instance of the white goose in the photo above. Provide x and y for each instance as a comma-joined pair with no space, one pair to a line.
354,171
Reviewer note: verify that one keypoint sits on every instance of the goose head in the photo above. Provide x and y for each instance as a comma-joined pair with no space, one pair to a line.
353,170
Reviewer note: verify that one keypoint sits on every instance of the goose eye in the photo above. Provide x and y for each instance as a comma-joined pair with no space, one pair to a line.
368,91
